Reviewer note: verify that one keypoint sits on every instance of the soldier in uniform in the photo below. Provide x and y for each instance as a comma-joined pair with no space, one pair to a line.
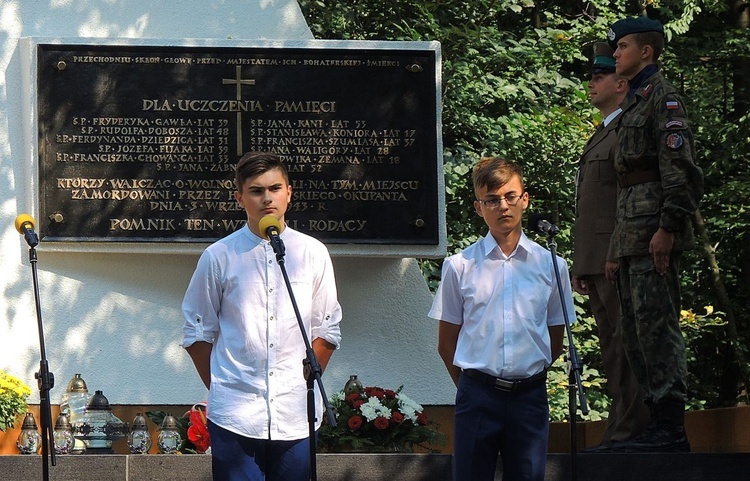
660,188
596,195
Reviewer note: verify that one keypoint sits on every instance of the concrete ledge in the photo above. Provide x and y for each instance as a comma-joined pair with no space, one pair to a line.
386,467
29,468
162,467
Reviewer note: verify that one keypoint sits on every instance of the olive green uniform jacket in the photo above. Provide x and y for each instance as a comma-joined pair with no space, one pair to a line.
660,185
596,192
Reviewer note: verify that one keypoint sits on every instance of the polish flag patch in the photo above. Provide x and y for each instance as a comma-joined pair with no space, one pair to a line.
672,105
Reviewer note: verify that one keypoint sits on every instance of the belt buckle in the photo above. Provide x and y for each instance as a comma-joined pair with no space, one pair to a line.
503,385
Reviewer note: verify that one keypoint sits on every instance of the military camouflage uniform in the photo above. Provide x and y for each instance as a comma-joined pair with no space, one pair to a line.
660,187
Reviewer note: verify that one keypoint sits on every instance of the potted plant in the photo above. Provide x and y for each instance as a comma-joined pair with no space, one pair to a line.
13,396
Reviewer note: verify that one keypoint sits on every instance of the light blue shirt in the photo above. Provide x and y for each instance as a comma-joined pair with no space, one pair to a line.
505,305
609,118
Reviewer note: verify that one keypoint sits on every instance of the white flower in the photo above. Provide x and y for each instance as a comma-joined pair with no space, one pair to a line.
373,409
408,407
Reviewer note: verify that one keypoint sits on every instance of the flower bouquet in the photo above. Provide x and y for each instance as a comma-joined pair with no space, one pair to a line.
378,420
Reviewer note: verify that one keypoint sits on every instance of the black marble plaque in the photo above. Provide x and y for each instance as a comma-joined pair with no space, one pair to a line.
139,143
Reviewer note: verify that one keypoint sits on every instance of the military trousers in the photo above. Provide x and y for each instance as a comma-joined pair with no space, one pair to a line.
651,333
628,415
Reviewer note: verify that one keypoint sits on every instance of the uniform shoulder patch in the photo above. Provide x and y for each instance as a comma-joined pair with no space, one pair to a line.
674,123
674,140
673,105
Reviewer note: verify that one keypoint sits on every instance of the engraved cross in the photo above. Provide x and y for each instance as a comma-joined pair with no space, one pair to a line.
239,81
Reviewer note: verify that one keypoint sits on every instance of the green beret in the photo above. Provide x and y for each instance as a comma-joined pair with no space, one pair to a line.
626,26
602,61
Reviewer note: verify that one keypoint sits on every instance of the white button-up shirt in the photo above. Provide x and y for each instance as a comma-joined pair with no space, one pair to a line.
504,305
238,301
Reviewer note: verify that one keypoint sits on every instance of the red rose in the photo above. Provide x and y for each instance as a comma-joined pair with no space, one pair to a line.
374,391
422,419
354,422
390,394
397,417
352,397
358,403
380,423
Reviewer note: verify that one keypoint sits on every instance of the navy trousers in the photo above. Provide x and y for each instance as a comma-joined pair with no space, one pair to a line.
237,458
489,422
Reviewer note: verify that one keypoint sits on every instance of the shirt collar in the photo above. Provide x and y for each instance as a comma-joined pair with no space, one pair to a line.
609,118
258,239
489,244
640,78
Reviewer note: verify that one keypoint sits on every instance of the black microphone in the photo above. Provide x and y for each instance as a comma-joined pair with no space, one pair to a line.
25,226
269,228
538,223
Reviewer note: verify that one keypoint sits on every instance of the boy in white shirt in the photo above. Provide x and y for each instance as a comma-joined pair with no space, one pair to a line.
242,334
501,326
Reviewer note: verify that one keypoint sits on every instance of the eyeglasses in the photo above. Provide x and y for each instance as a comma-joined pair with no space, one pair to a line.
494,203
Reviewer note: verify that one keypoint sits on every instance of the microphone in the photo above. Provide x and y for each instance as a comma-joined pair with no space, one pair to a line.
538,223
270,227
25,226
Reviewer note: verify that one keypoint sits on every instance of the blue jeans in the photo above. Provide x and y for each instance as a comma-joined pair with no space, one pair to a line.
489,421
237,458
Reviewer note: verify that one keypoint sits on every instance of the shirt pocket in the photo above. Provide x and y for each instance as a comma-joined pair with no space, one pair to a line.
632,136
643,200
531,303
599,167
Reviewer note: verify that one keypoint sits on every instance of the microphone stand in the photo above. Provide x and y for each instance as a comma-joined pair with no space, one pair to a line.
45,379
574,366
311,367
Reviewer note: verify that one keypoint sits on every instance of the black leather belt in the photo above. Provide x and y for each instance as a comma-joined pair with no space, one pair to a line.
507,385
626,179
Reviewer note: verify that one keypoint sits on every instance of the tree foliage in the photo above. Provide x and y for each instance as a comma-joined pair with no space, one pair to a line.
514,86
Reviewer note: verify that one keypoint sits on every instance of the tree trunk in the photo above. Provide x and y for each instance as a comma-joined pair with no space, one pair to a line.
739,11
739,17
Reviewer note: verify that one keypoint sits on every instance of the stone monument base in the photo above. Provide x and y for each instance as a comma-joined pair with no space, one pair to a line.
385,467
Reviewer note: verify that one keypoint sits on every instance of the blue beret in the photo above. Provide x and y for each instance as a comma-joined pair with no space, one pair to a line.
626,26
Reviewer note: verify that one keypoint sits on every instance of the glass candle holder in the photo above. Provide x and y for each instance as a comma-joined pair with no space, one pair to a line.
99,428
353,385
29,440
74,401
169,439
139,440
63,435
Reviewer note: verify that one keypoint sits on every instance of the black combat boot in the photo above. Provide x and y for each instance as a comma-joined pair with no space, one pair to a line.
666,434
